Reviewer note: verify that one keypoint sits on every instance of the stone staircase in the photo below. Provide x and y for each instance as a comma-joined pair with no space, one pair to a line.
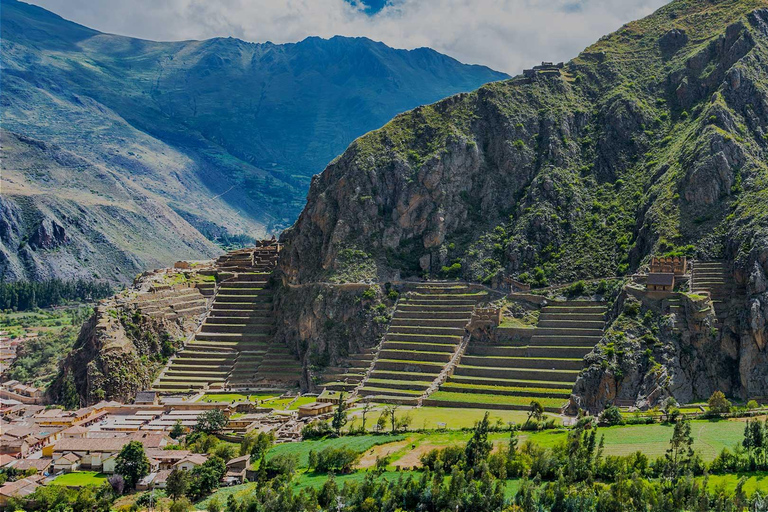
715,278
234,346
543,367
425,332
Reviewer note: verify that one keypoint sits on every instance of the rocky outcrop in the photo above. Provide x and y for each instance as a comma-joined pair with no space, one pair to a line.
121,349
324,323
576,174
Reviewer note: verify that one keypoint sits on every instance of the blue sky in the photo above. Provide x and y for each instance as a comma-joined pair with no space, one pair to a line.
507,35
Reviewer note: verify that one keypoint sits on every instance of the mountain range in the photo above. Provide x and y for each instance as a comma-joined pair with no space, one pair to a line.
121,154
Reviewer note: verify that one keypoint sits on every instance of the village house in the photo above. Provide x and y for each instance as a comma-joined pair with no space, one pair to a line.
41,465
236,469
67,463
315,409
99,454
18,489
191,461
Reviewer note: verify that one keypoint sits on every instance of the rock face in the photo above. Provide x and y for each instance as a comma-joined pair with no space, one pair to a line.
577,174
119,351
326,323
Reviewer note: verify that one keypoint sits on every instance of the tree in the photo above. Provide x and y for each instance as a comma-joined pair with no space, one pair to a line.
211,422
611,416
718,404
181,505
680,451
381,422
178,430
390,411
340,416
206,477
536,411
177,484
366,409
478,447
132,463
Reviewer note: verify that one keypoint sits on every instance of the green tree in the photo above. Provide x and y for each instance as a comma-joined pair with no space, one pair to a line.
132,463
177,484
340,416
178,430
718,404
536,411
366,409
211,422
680,452
478,447
206,477
390,412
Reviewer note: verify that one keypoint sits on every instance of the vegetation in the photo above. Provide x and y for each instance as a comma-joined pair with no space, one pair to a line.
28,295
37,359
132,463
211,421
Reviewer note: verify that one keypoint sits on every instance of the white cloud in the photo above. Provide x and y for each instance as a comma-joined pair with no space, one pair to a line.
504,34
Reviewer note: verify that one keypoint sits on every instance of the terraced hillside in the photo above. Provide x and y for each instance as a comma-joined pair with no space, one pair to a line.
715,278
348,377
543,366
173,302
234,347
425,333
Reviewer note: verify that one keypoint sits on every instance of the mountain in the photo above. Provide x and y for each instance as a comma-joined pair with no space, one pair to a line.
207,138
652,141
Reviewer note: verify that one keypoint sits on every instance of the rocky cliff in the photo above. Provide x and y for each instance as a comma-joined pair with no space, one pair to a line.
653,140
124,345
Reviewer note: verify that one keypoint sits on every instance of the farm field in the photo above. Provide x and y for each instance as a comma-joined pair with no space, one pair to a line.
236,397
517,401
357,443
442,417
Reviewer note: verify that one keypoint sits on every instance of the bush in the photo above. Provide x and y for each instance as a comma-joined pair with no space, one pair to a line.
337,460
718,404
283,464
316,430
611,416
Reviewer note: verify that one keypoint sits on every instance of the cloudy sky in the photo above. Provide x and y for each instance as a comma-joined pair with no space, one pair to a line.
506,35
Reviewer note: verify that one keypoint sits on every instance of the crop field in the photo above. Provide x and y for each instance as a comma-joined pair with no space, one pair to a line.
358,443
236,397
482,398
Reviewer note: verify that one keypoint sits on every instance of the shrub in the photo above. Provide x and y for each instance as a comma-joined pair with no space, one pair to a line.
718,404
611,416
338,460
283,464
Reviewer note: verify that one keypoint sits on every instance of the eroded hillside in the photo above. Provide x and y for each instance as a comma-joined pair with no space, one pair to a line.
652,141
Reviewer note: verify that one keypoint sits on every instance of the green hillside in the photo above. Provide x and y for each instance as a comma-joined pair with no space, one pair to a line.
651,140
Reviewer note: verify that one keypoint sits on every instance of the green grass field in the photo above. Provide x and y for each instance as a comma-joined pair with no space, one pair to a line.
236,397
709,437
755,482
482,398
357,443
441,417
80,479
223,494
